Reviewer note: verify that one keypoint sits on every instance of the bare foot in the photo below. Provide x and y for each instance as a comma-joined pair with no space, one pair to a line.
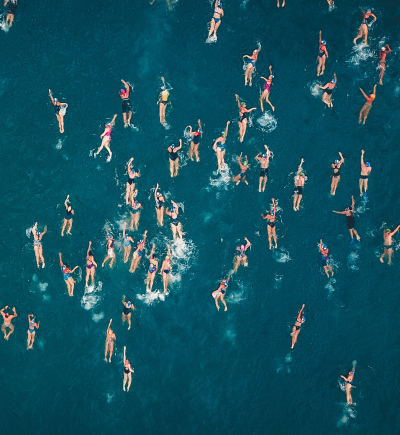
381,260
226,309
43,265
105,359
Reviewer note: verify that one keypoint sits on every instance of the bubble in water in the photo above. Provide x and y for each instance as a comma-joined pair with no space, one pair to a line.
46,298
43,286
267,122
97,317
34,278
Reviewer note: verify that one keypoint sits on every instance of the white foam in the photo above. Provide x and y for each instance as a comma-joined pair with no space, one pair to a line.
46,298
59,144
5,27
28,232
43,286
314,89
360,53
34,277
150,297
224,178
97,317
352,259
91,296
267,122
281,255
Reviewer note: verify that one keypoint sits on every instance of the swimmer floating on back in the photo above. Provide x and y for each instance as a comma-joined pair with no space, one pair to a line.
106,138
130,183
194,144
37,244
267,90
128,370
174,158
364,112
242,122
137,255
241,257
336,173
297,326
69,281
364,27
271,216
127,243
243,168
264,163
219,294
322,56
328,88
215,21
349,213
251,65
151,273
176,226
90,265
68,219
126,104
166,270
299,181
7,317
325,258
349,385
365,172
388,244
60,109
220,148
382,61
163,101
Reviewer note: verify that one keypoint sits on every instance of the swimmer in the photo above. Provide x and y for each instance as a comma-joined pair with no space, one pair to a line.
127,312
176,226
382,61
11,9
330,3
271,216
127,244
194,145
388,244
31,330
137,255
242,122
166,270
174,158
134,210
364,112
128,370
7,317
283,3
220,293
243,168
297,326
130,182
365,172
126,104
60,109
364,27
220,148
69,281
299,181
349,213
151,273
215,21
241,257
267,90
110,250
159,200
163,101
251,65
67,221
106,138
110,339
328,88
336,173
37,244
349,385
322,56
325,258
264,163
90,265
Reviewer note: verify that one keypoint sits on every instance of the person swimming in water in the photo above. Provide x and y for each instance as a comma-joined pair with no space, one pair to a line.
388,244
60,110
364,112
283,3
126,104
194,144
264,163
328,88
166,269
336,173
241,257
219,294
322,56
106,139
127,244
220,148
7,317
349,385
271,216
11,9
159,204
68,219
110,250
128,370
151,273
363,32
174,158
134,210
299,181
69,281
365,173
130,182
242,122
251,65
243,168
37,244
176,226
325,258
137,255
215,21
90,265
163,101
382,61
297,326
267,90
127,312
349,213
110,340
31,330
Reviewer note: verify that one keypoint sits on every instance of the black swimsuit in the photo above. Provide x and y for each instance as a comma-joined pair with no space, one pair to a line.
336,173
126,105
173,155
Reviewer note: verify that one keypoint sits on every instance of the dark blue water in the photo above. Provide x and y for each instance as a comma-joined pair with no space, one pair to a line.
198,370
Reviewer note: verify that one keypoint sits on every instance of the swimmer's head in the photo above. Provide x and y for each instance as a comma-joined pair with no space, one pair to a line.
323,42
136,202
302,174
55,100
242,247
383,48
223,134
158,194
368,10
244,163
109,235
243,104
226,283
303,319
63,266
172,146
167,257
6,315
337,161
108,123
69,207
272,213
38,233
122,91
129,304
110,332
271,76
91,253
388,230
141,241
368,164
264,155
163,88
126,362
172,209
372,96
333,81
324,247
199,130
352,372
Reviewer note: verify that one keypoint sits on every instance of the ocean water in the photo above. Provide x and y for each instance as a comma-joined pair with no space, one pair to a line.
198,370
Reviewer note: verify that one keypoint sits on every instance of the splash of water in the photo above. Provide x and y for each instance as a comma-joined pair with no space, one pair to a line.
314,89
97,317
91,297
223,181
151,297
360,53
281,255
43,286
267,122
352,259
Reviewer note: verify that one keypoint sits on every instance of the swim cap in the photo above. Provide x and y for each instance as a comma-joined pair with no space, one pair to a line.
226,283
141,241
63,267
136,202
337,161
55,100
324,247
242,104
129,304
372,96
199,130
352,372
172,209
38,233
272,76
264,155
244,163
387,230
383,48
223,134
109,235
272,213
368,10
368,164
303,319
158,194
323,42
167,257
172,146
110,331
122,91
333,81
163,88
302,174
242,247
108,123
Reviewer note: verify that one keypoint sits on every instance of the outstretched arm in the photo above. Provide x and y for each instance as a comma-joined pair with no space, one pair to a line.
88,249
299,169
153,249
112,123
127,87
144,236
66,202
270,69
300,312
61,263
395,231
180,145
50,94
352,202
362,158
73,270
108,327
341,158
274,205
365,95
124,354
199,122
339,212
238,101
44,231
320,37
375,89
248,244
226,128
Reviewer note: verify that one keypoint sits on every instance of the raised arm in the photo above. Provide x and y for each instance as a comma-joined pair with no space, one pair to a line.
153,249
124,354
320,37
238,101
395,231
127,88
320,245
44,231
34,228
270,69
374,89
180,145
88,249
144,236
274,205
365,95
199,122
352,202
66,202
50,94
388,49
61,263
108,327
73,270
112,123
300,312
372,15
334,76
338,212
155,191
163,80
226,128
341,158
300,168
15,312
248,244
362,158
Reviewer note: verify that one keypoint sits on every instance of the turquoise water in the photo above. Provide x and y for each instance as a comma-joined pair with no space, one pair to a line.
198,370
